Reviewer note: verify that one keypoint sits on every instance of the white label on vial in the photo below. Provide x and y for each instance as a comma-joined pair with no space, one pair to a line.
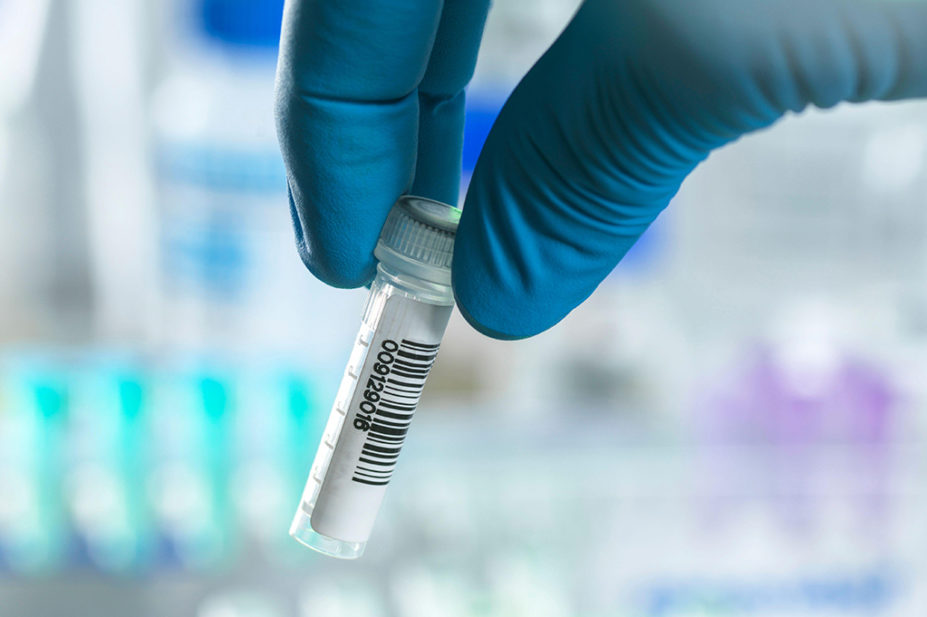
389,386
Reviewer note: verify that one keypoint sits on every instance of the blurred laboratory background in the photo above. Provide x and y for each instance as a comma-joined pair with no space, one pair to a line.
733,425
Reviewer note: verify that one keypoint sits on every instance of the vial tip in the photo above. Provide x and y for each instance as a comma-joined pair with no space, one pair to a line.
301,530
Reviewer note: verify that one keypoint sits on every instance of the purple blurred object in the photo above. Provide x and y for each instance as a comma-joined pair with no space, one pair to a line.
812,418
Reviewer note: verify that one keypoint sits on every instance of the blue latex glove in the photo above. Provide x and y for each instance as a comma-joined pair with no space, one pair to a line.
588,150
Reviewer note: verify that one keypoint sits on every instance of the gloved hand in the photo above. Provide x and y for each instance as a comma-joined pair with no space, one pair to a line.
589,148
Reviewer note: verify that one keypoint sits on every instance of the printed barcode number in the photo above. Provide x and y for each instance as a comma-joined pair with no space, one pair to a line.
390,396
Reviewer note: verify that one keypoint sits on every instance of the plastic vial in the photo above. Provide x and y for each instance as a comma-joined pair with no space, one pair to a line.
403,322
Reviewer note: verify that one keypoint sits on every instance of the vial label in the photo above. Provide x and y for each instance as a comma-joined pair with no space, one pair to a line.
391,393
398,360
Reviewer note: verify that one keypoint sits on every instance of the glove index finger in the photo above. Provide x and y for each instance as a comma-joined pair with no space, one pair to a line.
347,122
441,99
358,50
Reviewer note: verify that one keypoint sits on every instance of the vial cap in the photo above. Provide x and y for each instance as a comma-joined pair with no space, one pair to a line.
418,238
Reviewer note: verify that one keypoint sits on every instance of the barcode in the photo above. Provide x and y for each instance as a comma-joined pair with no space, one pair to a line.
402,388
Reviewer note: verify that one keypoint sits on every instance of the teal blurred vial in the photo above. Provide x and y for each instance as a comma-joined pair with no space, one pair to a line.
34,535
189,482
105,471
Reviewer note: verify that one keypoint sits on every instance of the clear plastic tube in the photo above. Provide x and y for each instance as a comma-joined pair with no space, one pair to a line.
403,322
